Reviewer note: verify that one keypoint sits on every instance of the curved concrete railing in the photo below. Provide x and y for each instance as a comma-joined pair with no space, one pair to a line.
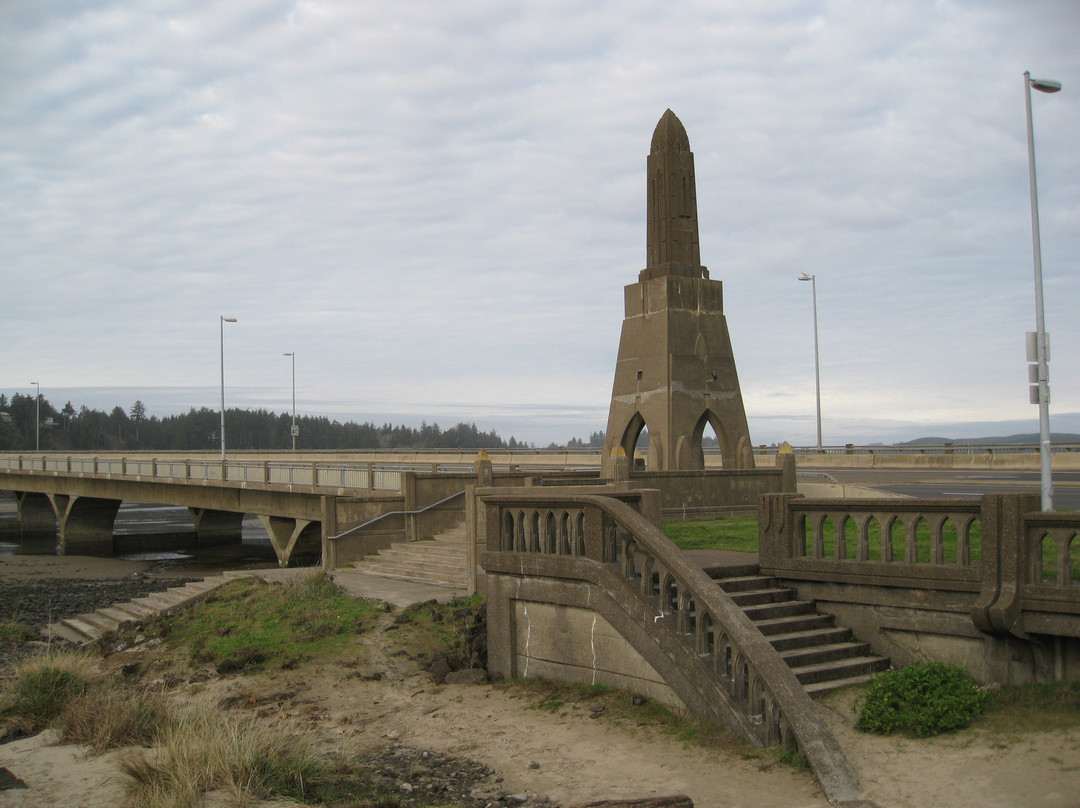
671,612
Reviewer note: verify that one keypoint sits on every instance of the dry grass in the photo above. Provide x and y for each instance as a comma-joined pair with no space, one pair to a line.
205,751
112,717
44,686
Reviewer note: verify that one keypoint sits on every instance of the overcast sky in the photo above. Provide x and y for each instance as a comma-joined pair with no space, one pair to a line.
436,204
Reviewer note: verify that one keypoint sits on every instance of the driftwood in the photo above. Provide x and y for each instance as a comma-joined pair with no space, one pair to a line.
673,801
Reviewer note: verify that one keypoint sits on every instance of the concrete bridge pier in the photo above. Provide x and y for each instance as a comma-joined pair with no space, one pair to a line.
37,523
217,527
86,524
289,535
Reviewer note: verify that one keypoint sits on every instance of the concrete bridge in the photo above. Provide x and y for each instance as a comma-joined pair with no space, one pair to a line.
70,502
340,506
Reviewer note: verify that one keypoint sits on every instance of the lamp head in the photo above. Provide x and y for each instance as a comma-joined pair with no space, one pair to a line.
1045,85
805,277
228,319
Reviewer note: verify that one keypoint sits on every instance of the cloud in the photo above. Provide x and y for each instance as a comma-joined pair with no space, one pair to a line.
456,193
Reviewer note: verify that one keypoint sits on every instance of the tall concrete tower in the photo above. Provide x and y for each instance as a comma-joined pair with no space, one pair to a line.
675,372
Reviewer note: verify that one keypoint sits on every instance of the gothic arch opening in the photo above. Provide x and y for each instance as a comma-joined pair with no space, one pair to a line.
635,439
708,420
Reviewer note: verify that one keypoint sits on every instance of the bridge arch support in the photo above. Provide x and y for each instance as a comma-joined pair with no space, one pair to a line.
37,523
213,527
86,524
290,536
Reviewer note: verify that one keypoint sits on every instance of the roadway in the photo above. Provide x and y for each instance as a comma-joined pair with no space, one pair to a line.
936,483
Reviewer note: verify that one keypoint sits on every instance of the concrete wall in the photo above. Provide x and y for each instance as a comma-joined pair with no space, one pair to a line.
569,643
983,603
710,494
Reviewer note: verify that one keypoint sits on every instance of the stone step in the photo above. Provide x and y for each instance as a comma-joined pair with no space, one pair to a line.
821,655
751,597
99,621
91,626
439,572
60,631
742,583
440,560
411,574
816,689
418,559
826,652
798,622
809,638
450,554
116,615
839,669
769,611
158,601
133,610
87,630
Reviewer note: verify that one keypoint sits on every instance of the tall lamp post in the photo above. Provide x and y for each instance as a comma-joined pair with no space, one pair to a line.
37,418
293,430
817,362
1038,343
223,320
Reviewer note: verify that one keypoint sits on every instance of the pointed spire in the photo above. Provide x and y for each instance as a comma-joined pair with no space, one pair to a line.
672,237
670,135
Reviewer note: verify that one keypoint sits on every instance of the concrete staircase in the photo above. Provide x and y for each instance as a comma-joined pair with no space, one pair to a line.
441,560
93,625
822,655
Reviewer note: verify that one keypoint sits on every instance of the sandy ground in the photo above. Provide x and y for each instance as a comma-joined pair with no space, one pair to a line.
579,759
31,567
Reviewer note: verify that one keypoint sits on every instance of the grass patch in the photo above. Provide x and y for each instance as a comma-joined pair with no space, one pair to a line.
1035,707
66,691
431,630
44,686
12,631
739,534
922,700
205,751
250,624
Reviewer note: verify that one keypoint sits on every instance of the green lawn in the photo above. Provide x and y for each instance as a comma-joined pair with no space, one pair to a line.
715,534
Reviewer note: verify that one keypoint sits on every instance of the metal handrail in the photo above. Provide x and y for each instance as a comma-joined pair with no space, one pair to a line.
396,513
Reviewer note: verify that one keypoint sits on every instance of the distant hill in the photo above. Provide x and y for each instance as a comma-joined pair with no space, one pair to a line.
1031,437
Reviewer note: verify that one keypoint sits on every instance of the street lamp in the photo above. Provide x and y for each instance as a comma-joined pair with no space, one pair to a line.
817,363
37,418
293,430
223,320
1038,342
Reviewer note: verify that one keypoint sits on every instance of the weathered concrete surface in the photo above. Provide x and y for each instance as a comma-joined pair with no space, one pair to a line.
984,606
675,373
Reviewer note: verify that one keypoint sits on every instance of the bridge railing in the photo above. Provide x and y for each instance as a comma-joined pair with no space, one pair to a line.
344,475
337,475
171,469
1021,566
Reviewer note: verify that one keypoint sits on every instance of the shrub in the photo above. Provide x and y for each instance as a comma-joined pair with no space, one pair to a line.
924,700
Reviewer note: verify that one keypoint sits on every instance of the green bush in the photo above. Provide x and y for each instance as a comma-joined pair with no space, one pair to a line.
924,700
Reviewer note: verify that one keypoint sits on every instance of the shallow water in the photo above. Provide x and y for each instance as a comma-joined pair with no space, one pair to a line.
135,519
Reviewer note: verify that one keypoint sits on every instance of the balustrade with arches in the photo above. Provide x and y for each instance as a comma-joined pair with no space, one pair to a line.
1020,566
543,536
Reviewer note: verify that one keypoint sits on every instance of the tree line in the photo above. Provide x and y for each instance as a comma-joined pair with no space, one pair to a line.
68,429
